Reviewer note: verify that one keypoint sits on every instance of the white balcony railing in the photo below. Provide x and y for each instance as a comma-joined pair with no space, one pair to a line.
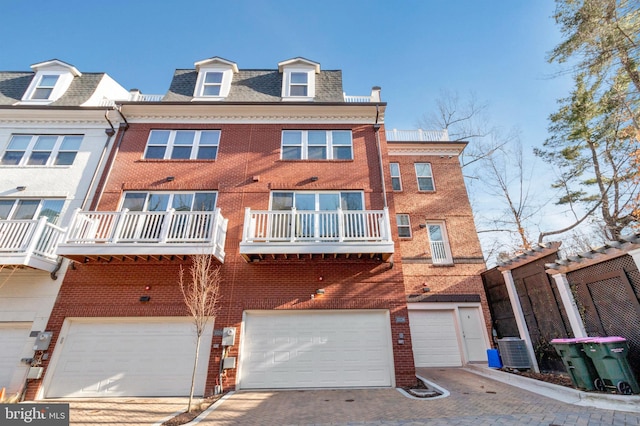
417,135
133,97
440,253
29,242
135,232
310,231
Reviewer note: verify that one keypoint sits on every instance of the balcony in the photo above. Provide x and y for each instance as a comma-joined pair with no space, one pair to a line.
417,135
30,243
136,235
284,234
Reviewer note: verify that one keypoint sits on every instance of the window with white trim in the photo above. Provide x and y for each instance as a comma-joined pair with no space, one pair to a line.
45,86
396,182
41,150
424,175
439,244
298,84
164,201
30,209
404,225
212,84
316,145
183,144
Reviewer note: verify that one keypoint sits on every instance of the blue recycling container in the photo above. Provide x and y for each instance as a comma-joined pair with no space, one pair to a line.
494,358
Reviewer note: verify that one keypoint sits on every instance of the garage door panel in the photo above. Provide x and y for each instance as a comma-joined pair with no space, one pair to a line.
13,339
434,339
326,350
128,357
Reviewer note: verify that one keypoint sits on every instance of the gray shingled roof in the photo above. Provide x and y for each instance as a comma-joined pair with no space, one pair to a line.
256,86
14,84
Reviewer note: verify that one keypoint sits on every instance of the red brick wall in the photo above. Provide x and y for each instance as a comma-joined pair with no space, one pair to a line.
102,289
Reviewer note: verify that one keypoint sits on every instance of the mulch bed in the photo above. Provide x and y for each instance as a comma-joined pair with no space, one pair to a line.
199,405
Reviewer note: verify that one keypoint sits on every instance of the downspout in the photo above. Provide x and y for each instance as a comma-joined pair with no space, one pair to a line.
121,131
110,132
376,129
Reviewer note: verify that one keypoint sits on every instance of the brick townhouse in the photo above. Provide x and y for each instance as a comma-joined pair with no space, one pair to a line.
348,253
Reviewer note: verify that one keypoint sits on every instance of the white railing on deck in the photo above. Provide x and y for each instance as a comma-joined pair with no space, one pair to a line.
37,237
350,99
133,97
316,226
439,253
417,135
146,227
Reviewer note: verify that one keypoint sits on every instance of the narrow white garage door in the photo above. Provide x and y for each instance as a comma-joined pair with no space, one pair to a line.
434,339
127,357
13,338
316,349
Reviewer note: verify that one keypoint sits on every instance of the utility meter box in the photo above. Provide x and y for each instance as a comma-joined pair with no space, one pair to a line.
229,336
229,362
43,340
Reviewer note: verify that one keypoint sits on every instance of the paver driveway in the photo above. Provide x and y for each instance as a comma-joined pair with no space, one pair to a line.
474,400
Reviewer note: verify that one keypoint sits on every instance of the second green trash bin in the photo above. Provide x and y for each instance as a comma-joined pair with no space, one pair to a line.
609,355
579,366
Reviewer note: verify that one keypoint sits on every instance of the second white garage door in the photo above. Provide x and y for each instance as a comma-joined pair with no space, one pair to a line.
316,349
13,339
112,357
434,339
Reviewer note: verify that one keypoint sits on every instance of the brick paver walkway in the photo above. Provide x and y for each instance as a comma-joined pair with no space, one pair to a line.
474,400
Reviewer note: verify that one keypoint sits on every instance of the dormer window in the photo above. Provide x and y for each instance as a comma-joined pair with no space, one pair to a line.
45,86
299,84
50,82
214,79
212,83
298,79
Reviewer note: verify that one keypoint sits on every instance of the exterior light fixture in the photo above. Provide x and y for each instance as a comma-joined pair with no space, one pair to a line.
170,178
21,188
314,178
320,292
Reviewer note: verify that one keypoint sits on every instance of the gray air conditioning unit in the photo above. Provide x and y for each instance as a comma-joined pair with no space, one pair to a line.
513,353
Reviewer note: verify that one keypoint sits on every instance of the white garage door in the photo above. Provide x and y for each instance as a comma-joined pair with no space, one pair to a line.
128,357
316,349
434,340
13,337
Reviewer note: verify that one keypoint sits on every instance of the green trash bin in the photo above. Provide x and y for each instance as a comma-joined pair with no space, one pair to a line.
579,366
609,355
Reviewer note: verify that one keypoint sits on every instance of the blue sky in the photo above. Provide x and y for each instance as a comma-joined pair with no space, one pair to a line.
413,49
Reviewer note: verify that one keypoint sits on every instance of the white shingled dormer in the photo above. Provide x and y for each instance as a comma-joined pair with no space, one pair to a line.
214,79
51,80
298,79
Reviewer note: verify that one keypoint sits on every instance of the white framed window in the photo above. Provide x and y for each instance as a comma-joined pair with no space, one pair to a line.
316,145
183,144
424,176
396,182
45,86
317,201
30,209
41,150
163,201
212,85
299,85
214,79
404,225
439,244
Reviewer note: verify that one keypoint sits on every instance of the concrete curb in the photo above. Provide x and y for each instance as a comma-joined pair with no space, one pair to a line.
628,403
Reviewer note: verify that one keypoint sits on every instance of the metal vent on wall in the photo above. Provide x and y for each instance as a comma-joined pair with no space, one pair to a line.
513,353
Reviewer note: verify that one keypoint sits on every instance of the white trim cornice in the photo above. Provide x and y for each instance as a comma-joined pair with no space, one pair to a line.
251,119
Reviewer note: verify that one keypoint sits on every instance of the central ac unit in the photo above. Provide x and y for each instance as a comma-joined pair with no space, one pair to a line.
513,353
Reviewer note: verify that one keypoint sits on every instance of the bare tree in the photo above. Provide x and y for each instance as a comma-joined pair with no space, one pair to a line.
201,296
464,119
